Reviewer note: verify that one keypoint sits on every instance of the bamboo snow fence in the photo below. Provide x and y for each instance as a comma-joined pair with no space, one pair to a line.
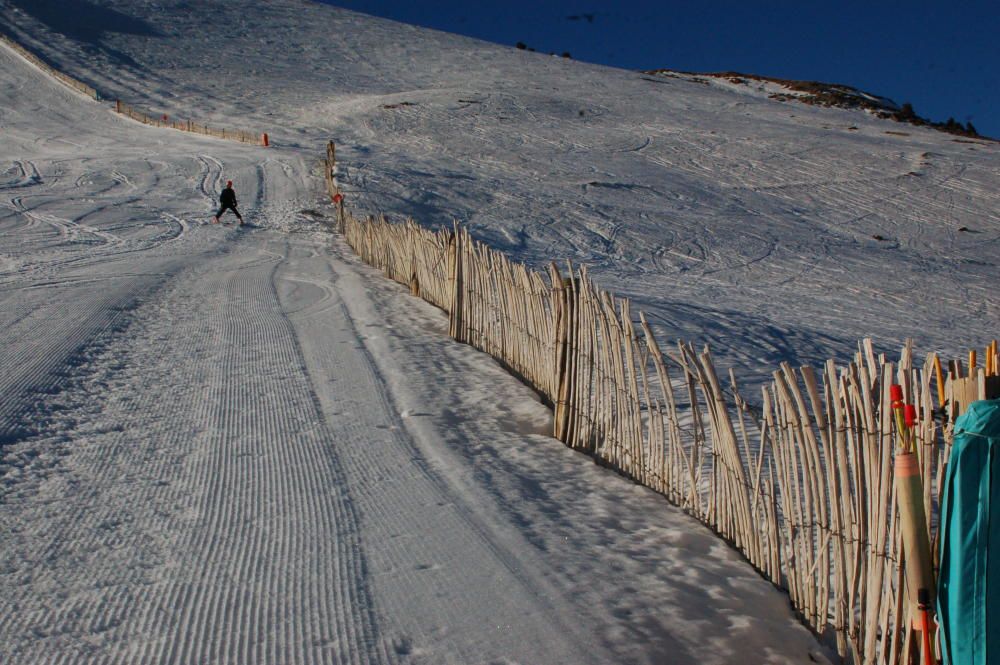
164,120
144,117
65,79
801,484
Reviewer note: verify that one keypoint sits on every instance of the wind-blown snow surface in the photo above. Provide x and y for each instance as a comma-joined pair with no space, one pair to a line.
729,217
241,446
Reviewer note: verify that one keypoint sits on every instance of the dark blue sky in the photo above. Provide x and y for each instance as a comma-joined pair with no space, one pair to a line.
943,57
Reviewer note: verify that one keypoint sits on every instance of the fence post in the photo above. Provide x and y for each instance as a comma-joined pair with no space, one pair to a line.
559,340
331,160
331,164
562,314
454,277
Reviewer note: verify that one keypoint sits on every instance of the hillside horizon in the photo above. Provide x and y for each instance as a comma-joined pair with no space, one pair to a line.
930,55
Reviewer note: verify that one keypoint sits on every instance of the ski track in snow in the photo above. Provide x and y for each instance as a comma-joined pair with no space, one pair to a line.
213,446
222,445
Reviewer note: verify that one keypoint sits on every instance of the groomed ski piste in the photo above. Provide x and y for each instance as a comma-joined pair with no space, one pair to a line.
223,445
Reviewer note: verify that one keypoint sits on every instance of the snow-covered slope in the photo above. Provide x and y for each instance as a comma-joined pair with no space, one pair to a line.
242,446
731,218
182,455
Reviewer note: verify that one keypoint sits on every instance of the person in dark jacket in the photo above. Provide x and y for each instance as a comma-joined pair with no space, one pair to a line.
228,201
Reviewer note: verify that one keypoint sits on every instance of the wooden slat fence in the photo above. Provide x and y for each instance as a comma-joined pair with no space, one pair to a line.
407,253
801,484
163,120
65,79
156,120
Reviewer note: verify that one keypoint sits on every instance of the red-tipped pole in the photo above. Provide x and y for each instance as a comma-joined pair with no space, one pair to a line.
338,197
925,625
264,140
896,397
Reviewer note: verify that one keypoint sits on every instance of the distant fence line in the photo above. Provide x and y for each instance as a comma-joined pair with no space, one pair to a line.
164,120
156,120
66,79
803,486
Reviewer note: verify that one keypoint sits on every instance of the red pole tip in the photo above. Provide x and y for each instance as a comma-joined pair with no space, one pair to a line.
896,392
910,414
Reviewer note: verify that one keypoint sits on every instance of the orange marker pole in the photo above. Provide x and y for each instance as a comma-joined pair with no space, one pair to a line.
896,398
910,418
972,362
913,525
265,140
925,625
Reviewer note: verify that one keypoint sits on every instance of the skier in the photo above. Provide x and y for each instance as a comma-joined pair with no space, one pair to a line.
228,201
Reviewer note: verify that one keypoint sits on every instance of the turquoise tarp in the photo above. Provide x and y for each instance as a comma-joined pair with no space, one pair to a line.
969,580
